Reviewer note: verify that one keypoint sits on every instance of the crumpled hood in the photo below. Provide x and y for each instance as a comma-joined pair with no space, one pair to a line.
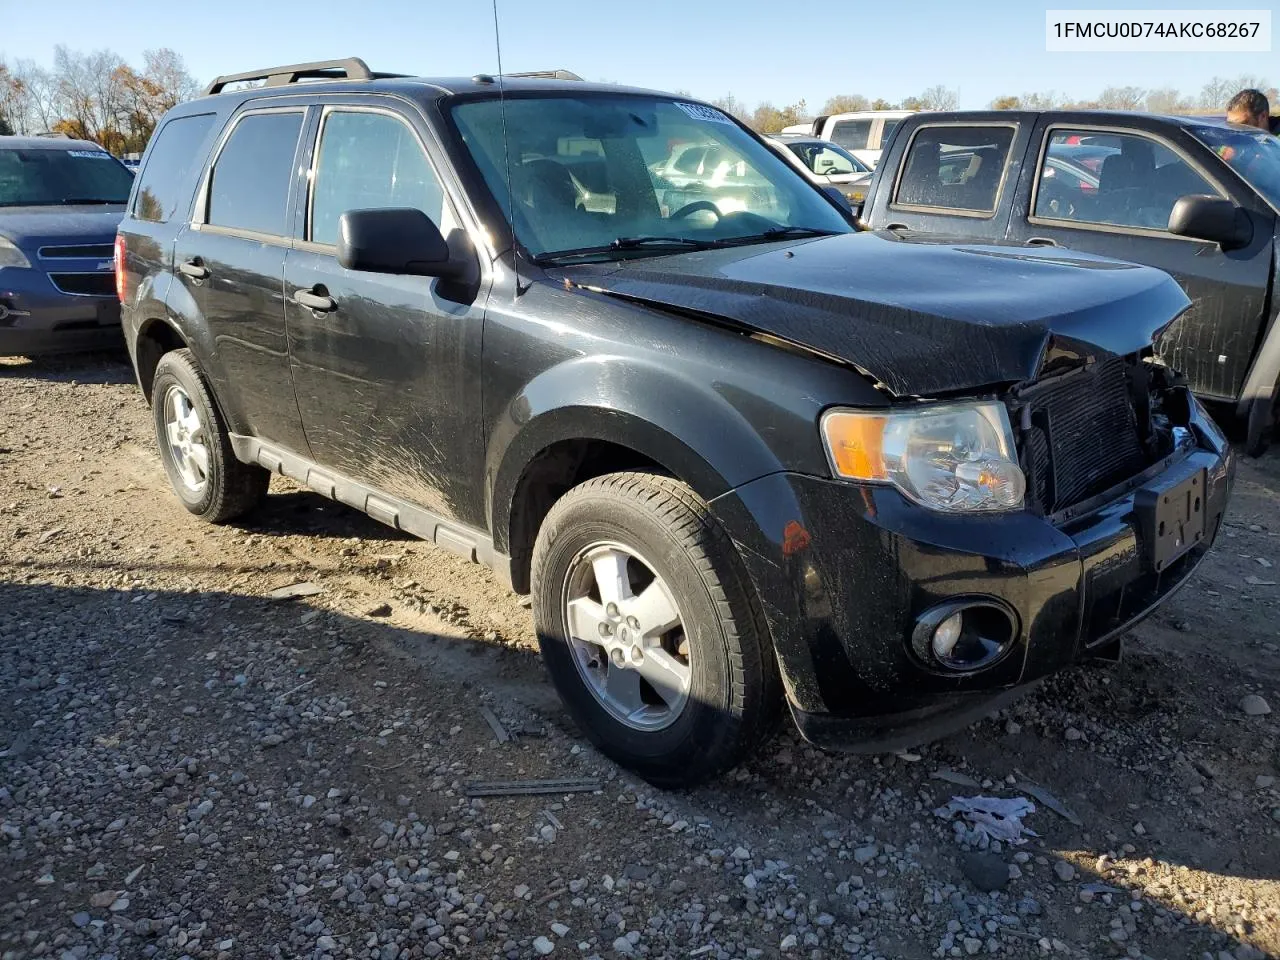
923,316
32,227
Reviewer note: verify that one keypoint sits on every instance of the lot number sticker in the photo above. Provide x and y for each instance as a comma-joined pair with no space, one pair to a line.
700,112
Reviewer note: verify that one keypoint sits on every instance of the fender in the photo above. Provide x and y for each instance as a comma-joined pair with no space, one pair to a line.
184,315
689,428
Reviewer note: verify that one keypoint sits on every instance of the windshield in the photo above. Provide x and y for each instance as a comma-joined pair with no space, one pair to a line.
1254,154
607,173
827,158
46,177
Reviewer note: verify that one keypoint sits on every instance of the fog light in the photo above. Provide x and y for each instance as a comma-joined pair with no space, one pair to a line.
964,636
947,635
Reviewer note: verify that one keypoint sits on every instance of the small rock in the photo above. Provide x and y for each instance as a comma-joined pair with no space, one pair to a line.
986,871
1065,871
1254,706
103,898
1263,781
972,945
623,946
788,942
864,855
327,944
380,610
543,946
81,919
559,929
742,853
1074,734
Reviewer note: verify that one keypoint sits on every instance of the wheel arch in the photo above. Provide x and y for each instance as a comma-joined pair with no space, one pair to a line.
155,338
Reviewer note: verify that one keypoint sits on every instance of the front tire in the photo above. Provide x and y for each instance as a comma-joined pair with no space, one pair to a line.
195,445
650,630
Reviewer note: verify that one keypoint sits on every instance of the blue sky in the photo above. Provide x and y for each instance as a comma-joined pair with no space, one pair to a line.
755,49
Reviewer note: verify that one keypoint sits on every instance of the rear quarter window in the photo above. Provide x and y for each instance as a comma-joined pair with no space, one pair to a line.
167,181
958,168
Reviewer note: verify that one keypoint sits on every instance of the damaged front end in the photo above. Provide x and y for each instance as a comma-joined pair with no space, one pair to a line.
1090,429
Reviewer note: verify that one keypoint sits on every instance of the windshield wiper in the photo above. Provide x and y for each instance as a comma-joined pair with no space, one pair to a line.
783,233
656,243
684,243
84,201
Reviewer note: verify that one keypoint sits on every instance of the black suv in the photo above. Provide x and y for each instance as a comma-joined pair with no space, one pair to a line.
740,454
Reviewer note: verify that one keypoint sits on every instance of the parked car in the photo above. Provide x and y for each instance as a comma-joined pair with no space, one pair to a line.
826,164
1195,196
740,458
60,202
863,134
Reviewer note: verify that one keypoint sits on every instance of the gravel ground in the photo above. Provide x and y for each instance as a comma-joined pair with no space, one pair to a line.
189,768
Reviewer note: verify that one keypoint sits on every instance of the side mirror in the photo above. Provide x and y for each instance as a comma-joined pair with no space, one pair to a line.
400,240
1214,219
841,201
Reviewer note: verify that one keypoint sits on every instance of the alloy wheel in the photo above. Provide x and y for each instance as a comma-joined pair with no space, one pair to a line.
627,636
187,438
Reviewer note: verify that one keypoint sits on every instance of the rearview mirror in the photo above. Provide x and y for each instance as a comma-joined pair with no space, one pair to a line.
399,240
1203,217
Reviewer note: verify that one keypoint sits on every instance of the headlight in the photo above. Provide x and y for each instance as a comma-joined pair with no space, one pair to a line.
957,458
11,256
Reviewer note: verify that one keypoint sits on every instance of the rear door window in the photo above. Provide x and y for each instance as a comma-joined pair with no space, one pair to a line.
956,168
851,134
249,188
167,181
1120,180
369,160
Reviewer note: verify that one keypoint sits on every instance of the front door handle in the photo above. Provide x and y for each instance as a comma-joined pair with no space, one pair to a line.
194,269
315,301
896,226
1041,242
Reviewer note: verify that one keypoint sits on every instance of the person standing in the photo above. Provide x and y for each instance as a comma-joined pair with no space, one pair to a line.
1251,108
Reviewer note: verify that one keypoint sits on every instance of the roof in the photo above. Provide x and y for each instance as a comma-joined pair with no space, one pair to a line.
1082,116
46,143
329,76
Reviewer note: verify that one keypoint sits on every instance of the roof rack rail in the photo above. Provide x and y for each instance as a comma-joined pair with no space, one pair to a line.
547,75
352,68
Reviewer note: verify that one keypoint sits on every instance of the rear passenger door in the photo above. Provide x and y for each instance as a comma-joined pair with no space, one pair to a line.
387,373
230,265
1110,190
950,178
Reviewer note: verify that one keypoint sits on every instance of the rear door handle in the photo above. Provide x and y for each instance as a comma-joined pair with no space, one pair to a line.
194,269
315,301
1041,242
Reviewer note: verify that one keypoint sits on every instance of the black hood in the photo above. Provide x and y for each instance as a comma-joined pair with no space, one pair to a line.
921,316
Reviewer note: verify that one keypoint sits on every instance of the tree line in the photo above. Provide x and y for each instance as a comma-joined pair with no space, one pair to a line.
98,96
1211,98
93,96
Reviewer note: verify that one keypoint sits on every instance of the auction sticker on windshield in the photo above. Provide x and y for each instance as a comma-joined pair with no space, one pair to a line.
702,112
90,154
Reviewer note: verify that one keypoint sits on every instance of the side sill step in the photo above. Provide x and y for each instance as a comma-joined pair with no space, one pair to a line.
464,541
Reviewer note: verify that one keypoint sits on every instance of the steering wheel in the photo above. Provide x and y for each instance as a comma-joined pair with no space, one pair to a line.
694,207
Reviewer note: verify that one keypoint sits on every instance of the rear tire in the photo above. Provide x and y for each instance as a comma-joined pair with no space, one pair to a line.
708,690
195,445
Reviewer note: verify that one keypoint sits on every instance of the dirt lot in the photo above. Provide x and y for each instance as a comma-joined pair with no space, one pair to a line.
188,768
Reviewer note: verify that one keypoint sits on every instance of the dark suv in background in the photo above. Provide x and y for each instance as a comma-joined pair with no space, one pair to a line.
740,454
60,202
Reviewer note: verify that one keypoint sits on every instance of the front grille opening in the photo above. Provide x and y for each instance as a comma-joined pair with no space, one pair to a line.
1089,429
85,284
